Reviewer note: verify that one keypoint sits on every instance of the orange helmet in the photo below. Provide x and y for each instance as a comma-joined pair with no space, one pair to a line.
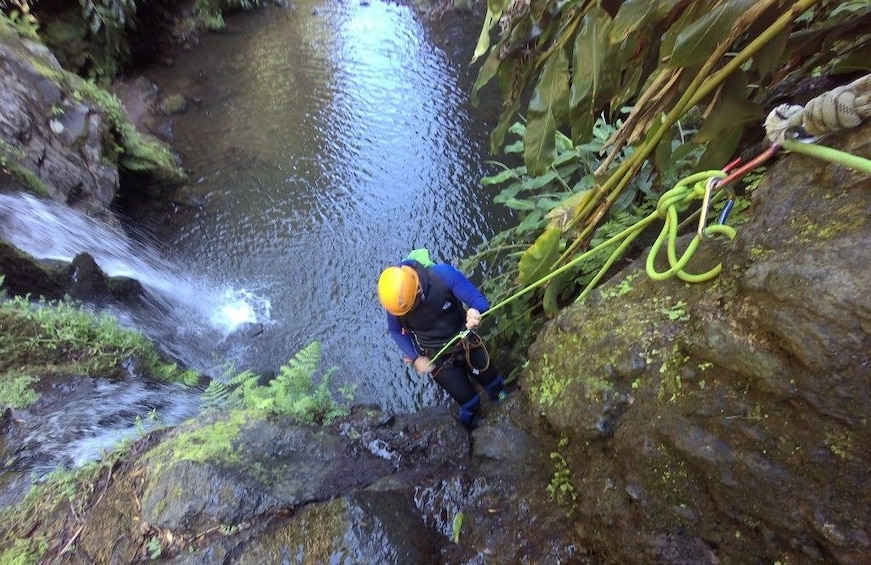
397,289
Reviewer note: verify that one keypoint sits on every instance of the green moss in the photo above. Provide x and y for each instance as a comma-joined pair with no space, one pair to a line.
841,444
38,517
622,287
213,442
135,151
44,339
173,104
841,220
23,552
758,253
676,312
561,488
16,391
313,533
28,180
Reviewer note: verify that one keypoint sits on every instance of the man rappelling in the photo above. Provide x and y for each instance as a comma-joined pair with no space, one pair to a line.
425,314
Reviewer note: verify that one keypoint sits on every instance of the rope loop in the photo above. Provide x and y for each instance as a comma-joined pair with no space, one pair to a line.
677,199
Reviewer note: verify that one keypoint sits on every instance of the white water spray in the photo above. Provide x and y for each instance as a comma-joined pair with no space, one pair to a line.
191,306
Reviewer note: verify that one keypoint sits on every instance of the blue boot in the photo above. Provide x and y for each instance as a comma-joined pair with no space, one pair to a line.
496,390
469,411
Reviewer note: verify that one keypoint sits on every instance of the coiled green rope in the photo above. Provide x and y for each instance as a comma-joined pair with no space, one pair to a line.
675,200
678,199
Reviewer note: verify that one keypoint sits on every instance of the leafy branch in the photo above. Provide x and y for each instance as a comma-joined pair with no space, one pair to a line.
292,392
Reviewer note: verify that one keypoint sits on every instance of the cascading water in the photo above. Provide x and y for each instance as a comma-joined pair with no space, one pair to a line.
189,316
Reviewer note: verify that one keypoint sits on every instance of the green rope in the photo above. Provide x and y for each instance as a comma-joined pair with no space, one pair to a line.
669,204
828,154
684,192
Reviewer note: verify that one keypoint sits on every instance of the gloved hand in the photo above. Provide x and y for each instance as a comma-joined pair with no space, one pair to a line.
423,365
473,318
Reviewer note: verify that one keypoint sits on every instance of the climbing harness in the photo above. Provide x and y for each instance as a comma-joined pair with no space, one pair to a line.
790,127
466,341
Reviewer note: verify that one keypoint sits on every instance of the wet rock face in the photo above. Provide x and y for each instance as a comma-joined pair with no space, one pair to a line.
56,136
728,421
82,279
370,488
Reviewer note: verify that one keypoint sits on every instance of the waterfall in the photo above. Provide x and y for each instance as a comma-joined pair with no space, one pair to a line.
189,317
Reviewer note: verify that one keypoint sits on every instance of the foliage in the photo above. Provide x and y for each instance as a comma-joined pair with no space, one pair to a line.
134,151
110,21
154,547
561,488
716,64
16,391
210,13
17,13
109,16
292,392
42,337
26,527
544,204
457,526
9,164
9,154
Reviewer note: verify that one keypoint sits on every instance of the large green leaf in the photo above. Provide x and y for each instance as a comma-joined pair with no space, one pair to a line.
552,292
725,121
497,136
634,15
494,11
720,151
731,109
540,257
511,73
695,43
690,14
858,61
595,72
770,56
487,71
549,103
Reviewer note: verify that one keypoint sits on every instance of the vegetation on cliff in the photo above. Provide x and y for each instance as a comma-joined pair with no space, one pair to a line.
42,339
610,103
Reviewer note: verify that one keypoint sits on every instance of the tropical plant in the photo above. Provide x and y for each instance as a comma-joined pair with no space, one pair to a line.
210,13
292,392
17,13
718,64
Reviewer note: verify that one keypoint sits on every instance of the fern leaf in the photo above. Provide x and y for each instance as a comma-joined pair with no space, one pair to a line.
215,395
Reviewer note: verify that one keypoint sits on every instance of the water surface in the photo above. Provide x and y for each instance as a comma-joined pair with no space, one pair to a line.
325,141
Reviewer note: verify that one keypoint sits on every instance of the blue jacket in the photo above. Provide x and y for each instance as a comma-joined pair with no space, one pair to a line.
458,285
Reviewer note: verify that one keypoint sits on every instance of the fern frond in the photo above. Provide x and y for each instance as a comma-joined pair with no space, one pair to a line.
295,377
215,395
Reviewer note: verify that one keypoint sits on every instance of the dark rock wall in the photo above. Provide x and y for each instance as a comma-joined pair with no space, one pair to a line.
729,420
55,135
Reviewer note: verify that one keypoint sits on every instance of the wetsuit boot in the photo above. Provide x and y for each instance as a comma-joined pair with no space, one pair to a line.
496,389
469,411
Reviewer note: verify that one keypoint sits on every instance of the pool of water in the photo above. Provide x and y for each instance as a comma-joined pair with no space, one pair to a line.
325,141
